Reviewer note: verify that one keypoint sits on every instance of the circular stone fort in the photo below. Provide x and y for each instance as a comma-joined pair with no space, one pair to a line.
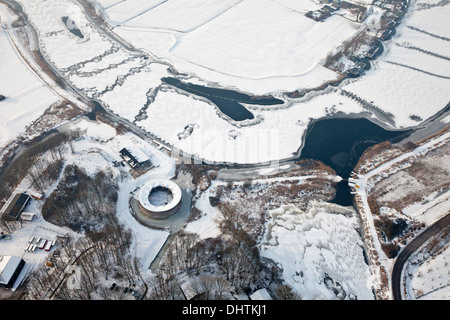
160,198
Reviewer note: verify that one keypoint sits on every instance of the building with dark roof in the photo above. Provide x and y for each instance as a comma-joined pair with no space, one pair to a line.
134,156
10,269
16,207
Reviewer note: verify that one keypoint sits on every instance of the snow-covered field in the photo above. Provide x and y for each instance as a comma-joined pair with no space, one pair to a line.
429,280
412,76
27,96
257,46
409,80
260,47
62,47
97,65
277,136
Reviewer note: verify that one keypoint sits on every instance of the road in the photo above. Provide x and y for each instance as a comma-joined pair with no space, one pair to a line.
34,43
409,250
77,96
361,187
245,170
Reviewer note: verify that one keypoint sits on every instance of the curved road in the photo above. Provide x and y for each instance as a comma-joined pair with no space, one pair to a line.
410,249
403,256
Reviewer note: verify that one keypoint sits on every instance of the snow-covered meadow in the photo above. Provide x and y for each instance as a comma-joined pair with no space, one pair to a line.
257,46
278,134
428,275
412,76
409,81
267,52
27,96
61,47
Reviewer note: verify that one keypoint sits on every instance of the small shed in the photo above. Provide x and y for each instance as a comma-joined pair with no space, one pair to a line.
28,216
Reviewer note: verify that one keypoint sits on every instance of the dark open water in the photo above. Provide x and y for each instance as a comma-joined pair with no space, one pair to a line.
228,101
340,142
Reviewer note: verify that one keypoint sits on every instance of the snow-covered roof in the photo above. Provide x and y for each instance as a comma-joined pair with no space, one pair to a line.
137,153
8,265
188,290
28,216
147,188
261,294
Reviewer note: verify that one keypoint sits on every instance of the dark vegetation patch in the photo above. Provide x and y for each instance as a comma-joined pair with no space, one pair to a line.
82,202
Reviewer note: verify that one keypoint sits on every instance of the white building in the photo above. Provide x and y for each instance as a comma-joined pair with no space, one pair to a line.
12,271
261,294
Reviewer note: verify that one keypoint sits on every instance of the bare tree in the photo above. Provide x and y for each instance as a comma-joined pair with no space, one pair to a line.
285,292
208,284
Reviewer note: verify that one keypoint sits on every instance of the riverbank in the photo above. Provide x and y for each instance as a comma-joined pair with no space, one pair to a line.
393,186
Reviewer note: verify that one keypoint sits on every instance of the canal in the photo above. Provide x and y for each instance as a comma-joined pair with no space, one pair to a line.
228,101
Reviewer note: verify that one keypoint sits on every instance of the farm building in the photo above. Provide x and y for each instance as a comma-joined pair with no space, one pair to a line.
16,207
358,69
10,269
134,156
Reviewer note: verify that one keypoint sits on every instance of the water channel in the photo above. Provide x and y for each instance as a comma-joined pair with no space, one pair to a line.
228,101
